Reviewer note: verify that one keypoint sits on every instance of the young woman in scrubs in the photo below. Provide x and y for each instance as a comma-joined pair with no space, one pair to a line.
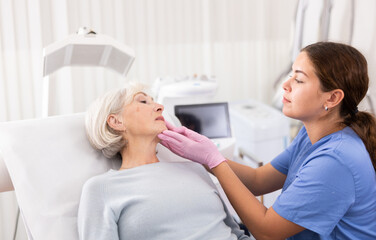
327,174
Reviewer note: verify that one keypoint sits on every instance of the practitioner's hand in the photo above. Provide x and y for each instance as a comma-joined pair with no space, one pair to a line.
191,145
173,128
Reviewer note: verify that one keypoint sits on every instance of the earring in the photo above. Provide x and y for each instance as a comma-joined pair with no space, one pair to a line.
326,108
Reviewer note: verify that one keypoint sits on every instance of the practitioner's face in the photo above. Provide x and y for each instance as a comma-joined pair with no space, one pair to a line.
303,98
143,116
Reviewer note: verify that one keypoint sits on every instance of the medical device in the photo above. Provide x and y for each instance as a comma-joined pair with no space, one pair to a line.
261,133
85,48
197,92
171,91
211,120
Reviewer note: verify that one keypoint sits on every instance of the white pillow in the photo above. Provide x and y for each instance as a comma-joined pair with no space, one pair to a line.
48,161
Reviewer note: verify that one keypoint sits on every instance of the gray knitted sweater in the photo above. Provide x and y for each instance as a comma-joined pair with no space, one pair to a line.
162,200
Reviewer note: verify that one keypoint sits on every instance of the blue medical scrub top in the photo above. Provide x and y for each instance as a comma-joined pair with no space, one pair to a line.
330,187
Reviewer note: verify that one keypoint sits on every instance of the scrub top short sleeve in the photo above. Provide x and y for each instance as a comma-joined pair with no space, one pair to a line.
283,160
320,195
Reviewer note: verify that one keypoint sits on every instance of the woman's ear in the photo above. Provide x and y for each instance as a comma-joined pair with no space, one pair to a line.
335,98
114,122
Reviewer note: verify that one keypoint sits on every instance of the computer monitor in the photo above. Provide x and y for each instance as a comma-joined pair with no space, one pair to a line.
210,119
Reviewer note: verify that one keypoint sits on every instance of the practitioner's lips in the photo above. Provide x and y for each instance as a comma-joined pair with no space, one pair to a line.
285,100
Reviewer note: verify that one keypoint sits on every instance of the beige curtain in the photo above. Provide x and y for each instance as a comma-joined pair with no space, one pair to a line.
244,43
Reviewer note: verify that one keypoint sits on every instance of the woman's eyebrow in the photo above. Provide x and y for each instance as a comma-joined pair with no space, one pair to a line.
144,95
300,71
141,93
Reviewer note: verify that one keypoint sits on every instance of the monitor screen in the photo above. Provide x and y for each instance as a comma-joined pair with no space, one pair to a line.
210,119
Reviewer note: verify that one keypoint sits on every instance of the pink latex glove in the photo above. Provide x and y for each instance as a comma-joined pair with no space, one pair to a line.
191,145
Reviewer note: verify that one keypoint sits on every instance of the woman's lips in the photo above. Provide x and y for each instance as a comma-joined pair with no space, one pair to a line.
285,100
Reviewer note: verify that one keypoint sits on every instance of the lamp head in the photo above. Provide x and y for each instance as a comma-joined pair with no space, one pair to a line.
87,48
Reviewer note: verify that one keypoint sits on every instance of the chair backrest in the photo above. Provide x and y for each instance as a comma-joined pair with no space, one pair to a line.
5,181
49,160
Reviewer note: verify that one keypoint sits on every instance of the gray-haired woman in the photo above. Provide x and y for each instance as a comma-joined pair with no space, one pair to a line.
146,198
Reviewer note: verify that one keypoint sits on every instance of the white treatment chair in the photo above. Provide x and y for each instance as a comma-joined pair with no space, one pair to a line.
48,160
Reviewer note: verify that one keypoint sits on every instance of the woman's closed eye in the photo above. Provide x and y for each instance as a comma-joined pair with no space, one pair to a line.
296,80
143,98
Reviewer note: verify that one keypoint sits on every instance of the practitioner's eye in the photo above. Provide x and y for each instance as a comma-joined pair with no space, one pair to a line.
296,80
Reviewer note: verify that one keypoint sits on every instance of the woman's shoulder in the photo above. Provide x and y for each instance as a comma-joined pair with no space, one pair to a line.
346,143
346,149
96,182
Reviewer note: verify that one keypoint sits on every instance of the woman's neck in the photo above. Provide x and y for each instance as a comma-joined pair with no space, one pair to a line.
139,151
321,128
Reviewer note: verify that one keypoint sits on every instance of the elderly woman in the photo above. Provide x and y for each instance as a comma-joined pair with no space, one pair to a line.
146,198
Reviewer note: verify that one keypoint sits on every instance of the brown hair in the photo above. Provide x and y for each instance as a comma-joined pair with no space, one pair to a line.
340,66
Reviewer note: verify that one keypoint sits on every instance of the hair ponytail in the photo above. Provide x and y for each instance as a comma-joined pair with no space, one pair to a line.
364,124
340,66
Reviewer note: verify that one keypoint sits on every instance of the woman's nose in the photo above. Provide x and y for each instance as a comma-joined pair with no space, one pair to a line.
159,107
287,84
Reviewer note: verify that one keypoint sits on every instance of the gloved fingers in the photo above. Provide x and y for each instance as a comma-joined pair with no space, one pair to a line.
183,131
173,128
168,134
168,141
171,143
169,125
180,130
194,135
166,144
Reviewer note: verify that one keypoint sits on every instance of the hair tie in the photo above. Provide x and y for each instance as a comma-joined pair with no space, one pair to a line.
355,111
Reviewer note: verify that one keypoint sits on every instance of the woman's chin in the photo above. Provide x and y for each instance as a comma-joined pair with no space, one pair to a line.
163,128
286,112
160,130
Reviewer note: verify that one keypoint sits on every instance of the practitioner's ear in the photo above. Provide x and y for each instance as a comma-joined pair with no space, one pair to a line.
335,97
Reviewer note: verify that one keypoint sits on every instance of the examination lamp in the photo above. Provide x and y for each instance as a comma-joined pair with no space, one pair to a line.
85,48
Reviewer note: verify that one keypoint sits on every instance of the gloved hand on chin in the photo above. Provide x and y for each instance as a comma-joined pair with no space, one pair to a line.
191,145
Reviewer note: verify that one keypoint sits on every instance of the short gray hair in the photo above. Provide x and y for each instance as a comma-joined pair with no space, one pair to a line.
101,136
